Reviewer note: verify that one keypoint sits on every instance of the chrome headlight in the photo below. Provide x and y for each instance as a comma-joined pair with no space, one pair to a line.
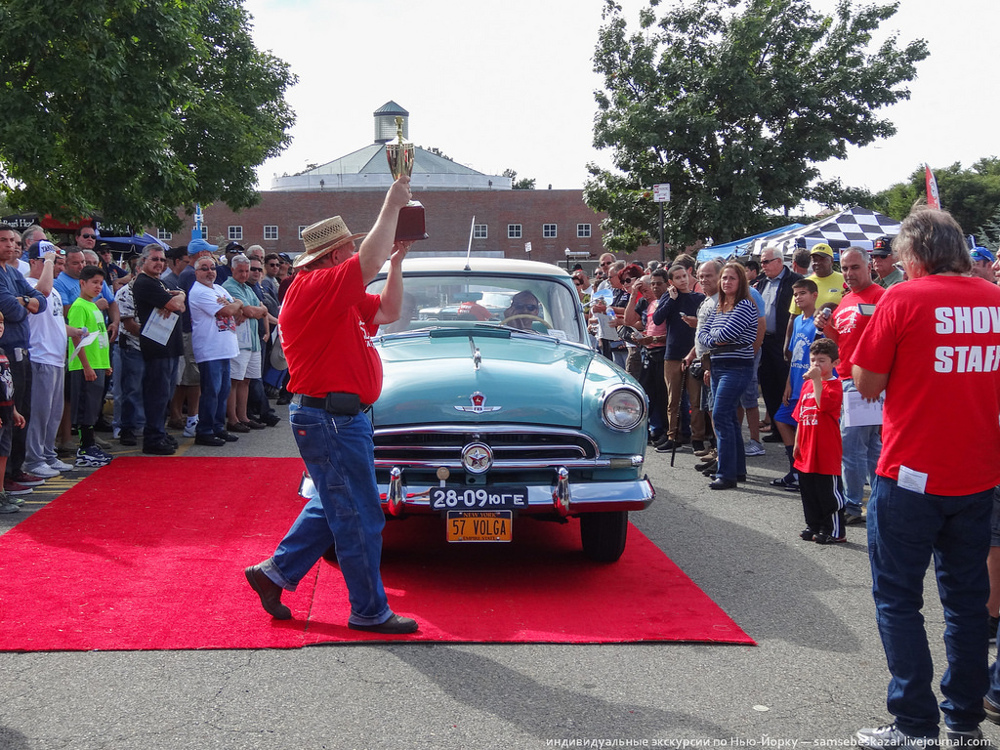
623,409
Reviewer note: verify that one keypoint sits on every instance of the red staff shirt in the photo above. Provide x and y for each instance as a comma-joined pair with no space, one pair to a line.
326,329
938,338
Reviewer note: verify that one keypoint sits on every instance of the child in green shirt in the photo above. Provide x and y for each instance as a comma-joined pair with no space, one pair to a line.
88,367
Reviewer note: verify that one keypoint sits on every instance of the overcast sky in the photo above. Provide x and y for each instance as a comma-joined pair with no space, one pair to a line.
510,84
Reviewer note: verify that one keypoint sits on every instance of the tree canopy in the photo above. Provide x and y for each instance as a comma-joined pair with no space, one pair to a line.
525,183
734,102
135,109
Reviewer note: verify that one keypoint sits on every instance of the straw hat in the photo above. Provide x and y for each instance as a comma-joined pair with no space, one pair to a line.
324,237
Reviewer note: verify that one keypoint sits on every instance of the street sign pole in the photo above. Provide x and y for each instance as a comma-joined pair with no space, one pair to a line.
661,194
663,243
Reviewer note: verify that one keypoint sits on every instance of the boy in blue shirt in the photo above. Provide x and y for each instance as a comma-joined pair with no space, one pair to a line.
805,293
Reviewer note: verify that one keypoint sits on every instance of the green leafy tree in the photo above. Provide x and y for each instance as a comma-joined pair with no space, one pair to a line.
734,102
135,109
516,184
971,195
988,234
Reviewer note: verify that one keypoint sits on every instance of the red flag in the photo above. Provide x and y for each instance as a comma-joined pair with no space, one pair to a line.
933,199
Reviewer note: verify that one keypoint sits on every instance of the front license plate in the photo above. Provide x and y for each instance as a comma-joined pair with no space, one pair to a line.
480,526
478,498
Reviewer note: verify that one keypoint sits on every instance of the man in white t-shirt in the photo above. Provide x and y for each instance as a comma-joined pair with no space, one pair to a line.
47,352
213,338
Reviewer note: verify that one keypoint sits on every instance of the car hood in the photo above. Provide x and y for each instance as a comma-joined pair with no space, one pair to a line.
521,378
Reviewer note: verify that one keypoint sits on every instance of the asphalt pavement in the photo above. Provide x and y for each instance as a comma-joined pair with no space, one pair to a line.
817,674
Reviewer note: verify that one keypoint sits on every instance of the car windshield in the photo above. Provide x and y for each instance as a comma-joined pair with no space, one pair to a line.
536,305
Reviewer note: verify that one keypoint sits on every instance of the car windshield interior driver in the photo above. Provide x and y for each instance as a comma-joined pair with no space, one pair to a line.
523,310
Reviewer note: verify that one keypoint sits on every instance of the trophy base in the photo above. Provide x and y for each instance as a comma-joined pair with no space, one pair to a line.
410,224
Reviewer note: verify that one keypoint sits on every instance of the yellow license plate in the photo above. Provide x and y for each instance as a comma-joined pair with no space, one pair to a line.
480,526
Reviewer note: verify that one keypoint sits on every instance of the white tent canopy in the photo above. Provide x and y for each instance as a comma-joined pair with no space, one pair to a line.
855,226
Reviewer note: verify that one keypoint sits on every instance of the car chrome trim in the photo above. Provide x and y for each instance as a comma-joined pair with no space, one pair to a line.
477,458
584,497
394,495
513,446
561,494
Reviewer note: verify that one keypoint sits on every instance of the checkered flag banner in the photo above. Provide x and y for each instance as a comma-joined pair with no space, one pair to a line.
856,226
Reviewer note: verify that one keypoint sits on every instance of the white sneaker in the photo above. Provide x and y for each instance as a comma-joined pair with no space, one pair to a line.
191,426
753,448
42,470
61,465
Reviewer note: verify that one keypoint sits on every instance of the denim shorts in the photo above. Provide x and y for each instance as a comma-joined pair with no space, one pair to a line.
749,399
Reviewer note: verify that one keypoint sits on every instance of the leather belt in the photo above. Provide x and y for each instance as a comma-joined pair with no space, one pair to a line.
346,404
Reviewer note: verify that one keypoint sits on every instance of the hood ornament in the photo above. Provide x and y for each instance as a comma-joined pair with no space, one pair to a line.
478,400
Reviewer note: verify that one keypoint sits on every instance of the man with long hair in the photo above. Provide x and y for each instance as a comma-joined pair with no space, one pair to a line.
934,339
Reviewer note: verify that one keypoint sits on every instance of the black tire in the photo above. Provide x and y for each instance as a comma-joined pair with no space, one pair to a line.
331,554
604,535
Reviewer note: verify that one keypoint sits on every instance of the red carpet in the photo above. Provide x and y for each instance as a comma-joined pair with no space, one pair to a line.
149,554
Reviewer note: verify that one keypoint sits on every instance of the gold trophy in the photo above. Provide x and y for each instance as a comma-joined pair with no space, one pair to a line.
410,225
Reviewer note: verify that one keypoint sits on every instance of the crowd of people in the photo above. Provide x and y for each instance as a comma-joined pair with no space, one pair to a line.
183,338
847,363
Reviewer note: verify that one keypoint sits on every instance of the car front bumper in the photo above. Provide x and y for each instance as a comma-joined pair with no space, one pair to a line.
563,497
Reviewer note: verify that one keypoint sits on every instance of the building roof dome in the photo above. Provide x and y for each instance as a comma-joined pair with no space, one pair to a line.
368,168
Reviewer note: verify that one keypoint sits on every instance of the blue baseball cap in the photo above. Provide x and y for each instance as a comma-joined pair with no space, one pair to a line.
981,253
200,246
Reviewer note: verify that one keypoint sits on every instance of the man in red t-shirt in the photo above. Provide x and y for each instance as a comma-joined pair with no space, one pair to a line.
933,344
862,444
817,446
326,322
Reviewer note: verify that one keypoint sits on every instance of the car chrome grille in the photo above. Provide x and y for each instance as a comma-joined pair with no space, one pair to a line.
512,446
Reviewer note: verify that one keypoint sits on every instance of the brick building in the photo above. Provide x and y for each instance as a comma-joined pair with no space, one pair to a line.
557,223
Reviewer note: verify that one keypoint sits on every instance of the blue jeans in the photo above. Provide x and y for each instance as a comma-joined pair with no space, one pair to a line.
339,453
215,386
862,448
905,529
158,382
729,381
129,368
257,403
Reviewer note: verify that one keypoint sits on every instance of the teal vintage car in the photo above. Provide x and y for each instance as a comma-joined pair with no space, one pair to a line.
495,408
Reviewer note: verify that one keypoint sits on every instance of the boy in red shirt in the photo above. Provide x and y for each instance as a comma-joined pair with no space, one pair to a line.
818,450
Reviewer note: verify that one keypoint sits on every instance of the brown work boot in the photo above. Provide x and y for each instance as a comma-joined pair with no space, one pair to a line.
269,593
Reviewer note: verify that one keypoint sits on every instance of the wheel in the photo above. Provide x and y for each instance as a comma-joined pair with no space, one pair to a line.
524,316
331,554
604,534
